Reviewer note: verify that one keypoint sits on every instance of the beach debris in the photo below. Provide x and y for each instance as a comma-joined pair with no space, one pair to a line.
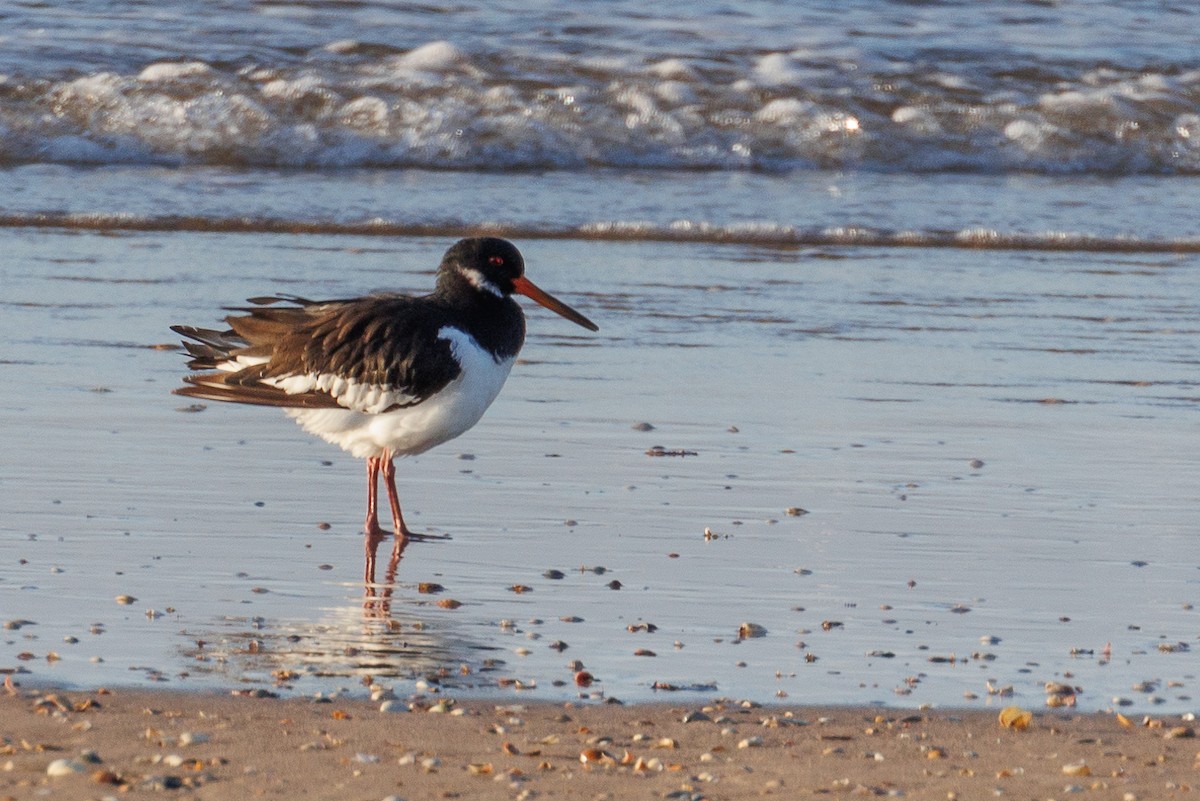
584,679
429,588
748,631
554,575
1180,733
659,450
1013,717
193,738
644,652
795,511
596,756
64,767
449,603
1059,694
126,600
642,427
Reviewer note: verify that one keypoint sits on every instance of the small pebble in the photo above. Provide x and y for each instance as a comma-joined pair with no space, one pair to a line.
63,767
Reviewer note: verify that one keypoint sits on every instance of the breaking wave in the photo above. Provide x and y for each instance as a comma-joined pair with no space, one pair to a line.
349,104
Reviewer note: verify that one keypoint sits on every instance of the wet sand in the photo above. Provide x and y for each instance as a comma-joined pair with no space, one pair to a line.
98,743
986,445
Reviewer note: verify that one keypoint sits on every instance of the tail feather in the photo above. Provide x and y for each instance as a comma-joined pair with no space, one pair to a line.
223,387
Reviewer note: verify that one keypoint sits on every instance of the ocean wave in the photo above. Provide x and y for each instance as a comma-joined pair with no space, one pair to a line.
764,234
440,107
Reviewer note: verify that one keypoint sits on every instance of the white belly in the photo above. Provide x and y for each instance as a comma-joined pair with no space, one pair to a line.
416,429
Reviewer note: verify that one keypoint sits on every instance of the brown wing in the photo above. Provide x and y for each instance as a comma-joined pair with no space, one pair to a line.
371,354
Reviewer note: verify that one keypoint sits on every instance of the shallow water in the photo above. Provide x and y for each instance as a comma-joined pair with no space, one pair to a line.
930,277
864,385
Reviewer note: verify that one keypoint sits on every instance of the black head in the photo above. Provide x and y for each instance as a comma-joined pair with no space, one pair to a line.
490,266
487,263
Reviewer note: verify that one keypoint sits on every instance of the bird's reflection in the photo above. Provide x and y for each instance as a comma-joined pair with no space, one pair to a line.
377,598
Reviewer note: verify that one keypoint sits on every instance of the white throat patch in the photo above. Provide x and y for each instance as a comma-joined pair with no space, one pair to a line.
478,281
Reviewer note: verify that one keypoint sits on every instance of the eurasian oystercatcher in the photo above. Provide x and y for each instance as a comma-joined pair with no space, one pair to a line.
383,375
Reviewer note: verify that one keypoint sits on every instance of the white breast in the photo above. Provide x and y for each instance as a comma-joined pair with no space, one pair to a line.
416,429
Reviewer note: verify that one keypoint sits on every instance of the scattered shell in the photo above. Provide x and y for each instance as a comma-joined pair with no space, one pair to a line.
193,738
64,767
126,600
593,756
659,450
429,588
1076,769
1180,733
795,511
751,742
749,630
1013,717
449,603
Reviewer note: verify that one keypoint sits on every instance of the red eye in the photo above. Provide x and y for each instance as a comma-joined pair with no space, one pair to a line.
495,261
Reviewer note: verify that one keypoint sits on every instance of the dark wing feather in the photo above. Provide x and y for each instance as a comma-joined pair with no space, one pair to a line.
383,340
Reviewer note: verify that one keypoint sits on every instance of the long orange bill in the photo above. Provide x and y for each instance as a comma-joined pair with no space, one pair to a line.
523,286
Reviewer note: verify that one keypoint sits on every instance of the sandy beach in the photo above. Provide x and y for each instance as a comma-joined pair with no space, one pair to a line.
130,743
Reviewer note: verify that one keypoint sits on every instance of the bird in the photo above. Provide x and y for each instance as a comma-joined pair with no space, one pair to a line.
383,375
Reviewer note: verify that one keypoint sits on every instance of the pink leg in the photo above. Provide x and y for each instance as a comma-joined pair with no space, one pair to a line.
389,476
374,534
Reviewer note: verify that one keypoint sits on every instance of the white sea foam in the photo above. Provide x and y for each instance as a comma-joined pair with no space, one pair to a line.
173,71
440,105
432,56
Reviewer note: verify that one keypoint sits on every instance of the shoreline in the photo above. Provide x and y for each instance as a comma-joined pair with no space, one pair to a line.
96,744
